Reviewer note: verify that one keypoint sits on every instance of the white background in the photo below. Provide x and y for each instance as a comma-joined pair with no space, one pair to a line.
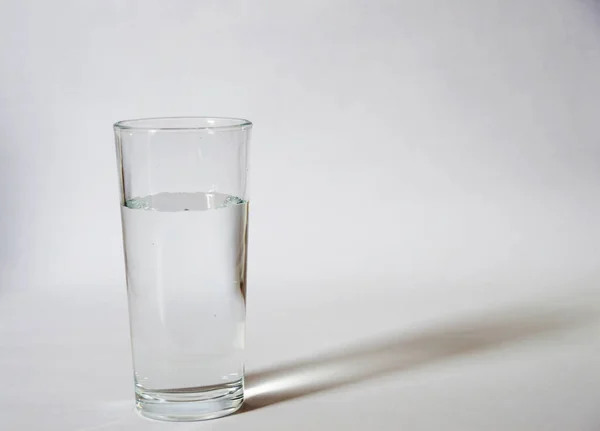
421,170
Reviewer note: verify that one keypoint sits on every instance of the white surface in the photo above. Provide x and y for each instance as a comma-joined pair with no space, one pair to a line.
526,366
420,170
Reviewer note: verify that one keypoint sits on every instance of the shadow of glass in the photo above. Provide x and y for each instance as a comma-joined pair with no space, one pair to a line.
408,351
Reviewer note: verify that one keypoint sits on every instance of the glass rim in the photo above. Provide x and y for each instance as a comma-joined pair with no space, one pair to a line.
184,123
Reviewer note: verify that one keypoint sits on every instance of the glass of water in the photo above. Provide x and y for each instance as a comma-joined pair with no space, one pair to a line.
184,211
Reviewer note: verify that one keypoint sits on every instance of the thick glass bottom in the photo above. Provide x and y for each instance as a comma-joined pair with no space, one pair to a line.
190,404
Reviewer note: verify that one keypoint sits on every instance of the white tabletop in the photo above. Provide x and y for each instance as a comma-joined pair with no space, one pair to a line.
394,360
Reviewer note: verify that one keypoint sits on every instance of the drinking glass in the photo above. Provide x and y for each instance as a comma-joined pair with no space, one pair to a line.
184,212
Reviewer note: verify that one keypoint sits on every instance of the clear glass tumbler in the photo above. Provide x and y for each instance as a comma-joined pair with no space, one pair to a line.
184,211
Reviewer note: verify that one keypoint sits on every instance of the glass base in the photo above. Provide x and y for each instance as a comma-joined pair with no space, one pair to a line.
190,404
